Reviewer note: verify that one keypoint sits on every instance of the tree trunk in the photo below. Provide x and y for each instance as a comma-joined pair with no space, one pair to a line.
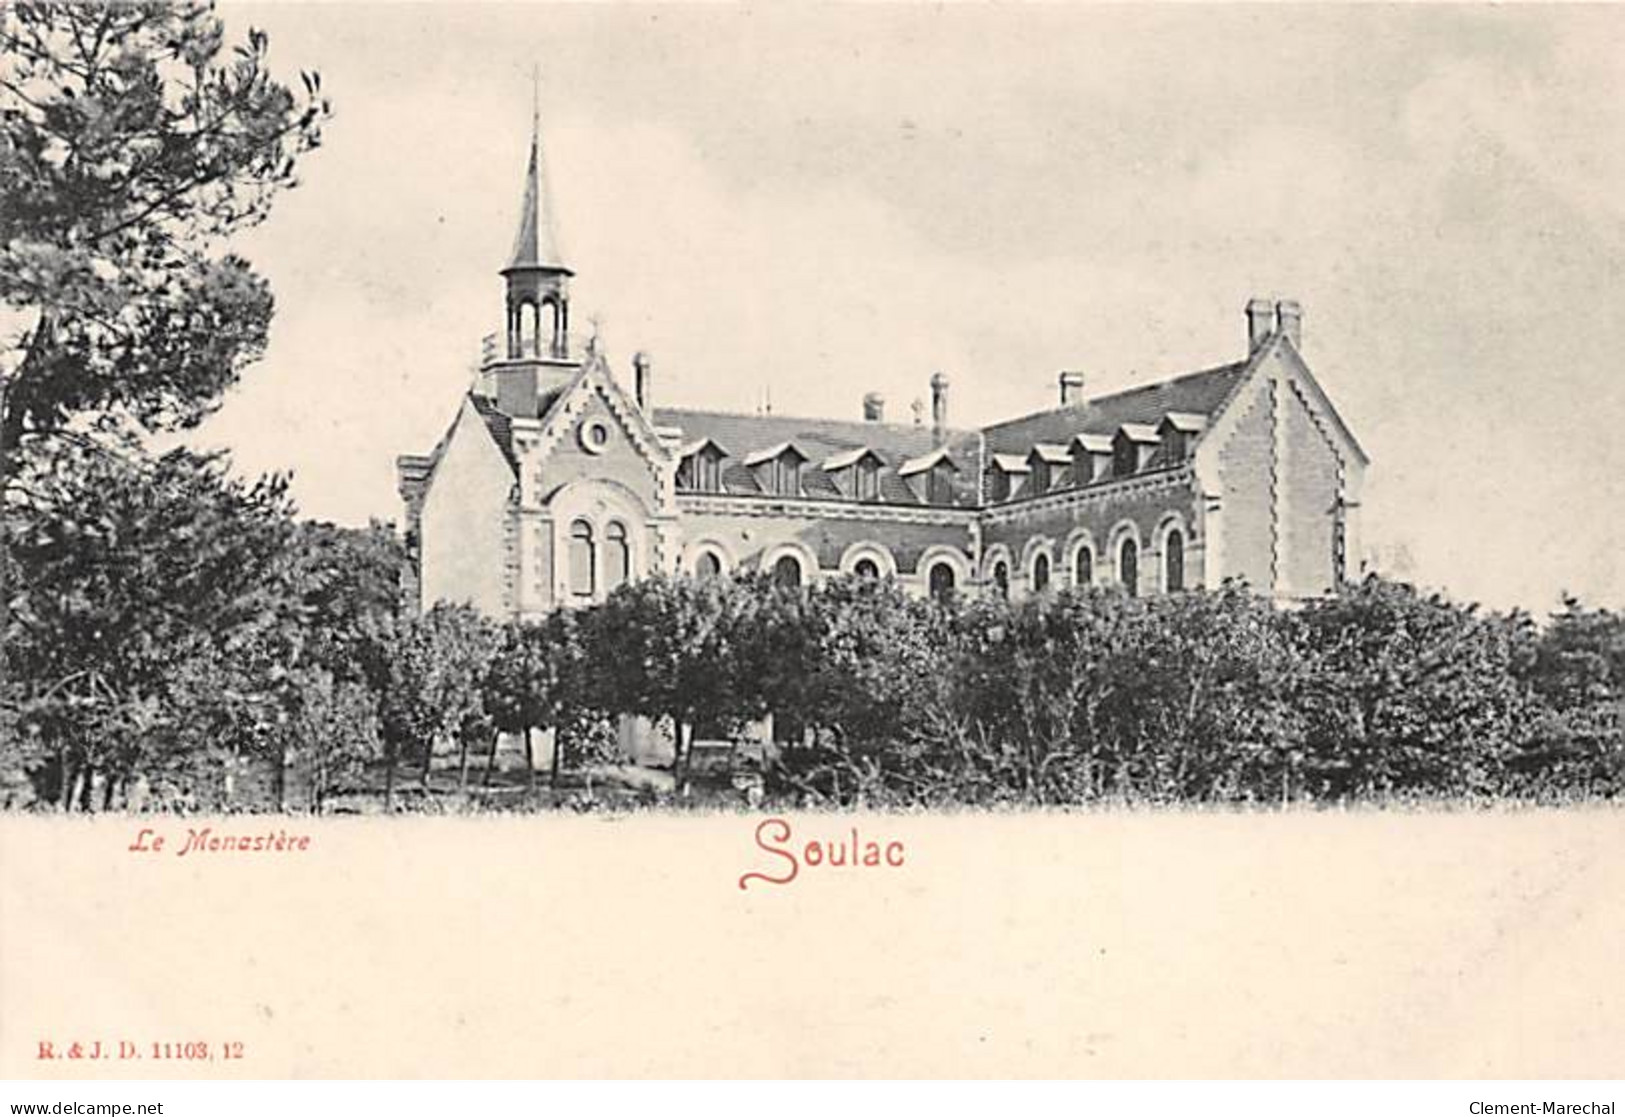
282,778
15,392
555,763
491,760
530,758
389,780
107,794
462,764
87,781
70,778
684,760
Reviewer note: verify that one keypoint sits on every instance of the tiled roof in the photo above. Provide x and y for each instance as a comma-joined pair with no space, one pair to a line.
1187,401
500,427
1196,393
894,444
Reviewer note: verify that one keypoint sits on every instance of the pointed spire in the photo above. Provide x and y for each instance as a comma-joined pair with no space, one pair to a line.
536,245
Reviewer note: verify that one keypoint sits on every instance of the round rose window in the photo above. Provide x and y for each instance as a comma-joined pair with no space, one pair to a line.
594,436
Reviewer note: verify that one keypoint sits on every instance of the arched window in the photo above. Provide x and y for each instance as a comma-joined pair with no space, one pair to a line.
1001,579
1173,561
866,568
787,571
1128,566
583,560
617,556
1083,571
1040,573
708,565
530,327
941,580
547,329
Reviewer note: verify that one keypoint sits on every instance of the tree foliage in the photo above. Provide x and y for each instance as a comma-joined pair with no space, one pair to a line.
129,572
133,142
679,649
178,628
1577,677
432,684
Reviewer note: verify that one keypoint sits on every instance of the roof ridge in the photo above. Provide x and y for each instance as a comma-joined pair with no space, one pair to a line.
822,419
1093,401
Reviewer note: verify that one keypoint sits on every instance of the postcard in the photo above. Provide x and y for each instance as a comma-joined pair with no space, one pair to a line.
822,542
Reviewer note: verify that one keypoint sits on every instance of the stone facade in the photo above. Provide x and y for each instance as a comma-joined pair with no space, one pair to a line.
555,483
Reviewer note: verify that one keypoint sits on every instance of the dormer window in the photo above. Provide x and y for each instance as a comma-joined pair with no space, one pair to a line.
856,473
778,469
1046,464
1132,448
699,468
1178,431
785,476
867,473
1009,475
1091,458
931,476
1125,460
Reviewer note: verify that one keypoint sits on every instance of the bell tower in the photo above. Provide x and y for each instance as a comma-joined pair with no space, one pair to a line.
533,356
537,279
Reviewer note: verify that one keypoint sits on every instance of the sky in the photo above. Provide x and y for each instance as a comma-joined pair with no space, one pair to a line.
816,202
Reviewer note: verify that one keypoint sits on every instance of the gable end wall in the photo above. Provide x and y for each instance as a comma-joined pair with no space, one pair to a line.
1247,477
467,524
1310,501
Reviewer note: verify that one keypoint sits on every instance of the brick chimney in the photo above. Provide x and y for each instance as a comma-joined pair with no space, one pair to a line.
1260,322
1071,389
939,408
874,408
643,380
1291,318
